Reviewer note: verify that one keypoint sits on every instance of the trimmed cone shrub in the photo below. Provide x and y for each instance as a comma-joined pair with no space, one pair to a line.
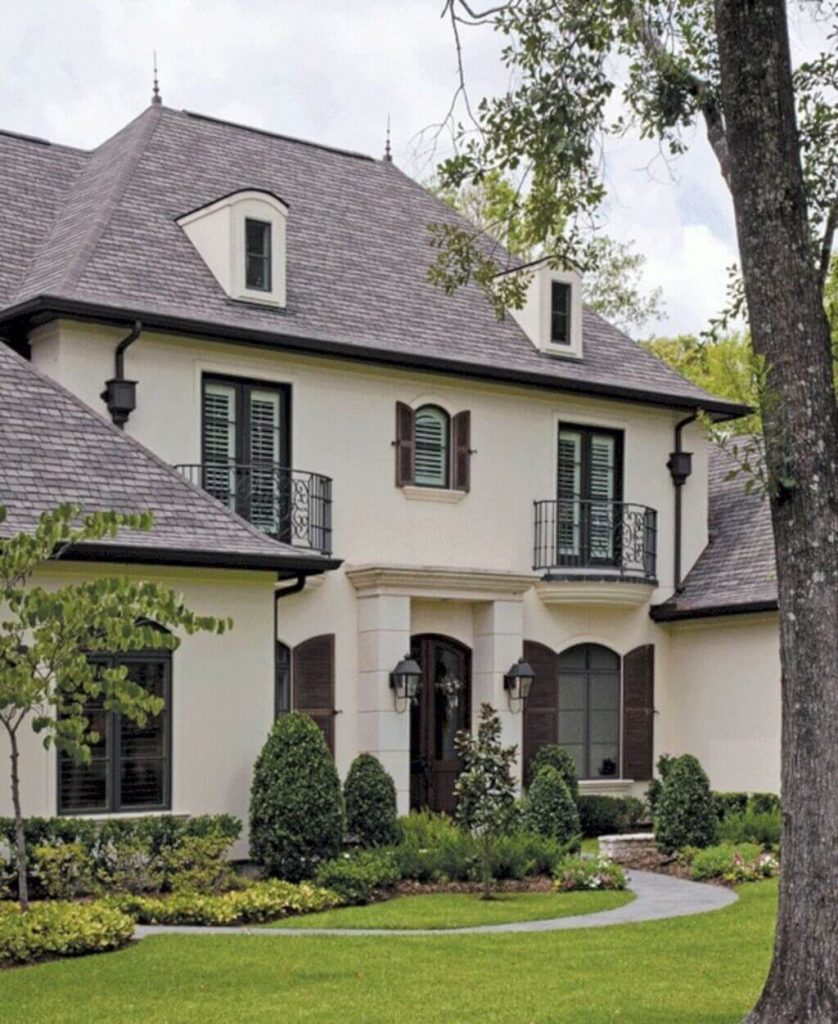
553,754
297,817
685,813
549,809
370,797
601,815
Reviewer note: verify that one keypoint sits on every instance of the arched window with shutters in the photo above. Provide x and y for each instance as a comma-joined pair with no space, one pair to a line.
433,442
589,709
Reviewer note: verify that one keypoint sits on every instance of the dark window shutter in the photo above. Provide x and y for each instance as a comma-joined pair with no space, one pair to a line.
405,444
461,442
314,682
541,707
638,712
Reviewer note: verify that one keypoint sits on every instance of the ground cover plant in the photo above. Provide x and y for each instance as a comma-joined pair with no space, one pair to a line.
57,928
705,969
462,910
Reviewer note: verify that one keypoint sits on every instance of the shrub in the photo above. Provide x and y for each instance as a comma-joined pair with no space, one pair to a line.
262,901
198,864
744,862
548,808
521,855
727,804
296,808
751,827
664,763
634,811
128,865
765,803
63,870
360,877
434,849
685,815
601,815
61,929
370,797
553,754
588,873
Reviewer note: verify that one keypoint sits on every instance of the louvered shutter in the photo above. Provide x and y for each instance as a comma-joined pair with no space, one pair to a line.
219,441
601,486
461,443
541,707
431,447
638,712
264,457
405,444
569,492
314,682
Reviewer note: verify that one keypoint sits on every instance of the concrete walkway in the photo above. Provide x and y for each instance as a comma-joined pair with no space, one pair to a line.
656,897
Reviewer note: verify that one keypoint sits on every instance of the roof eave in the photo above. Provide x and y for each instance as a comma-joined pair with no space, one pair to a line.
672,613
47,306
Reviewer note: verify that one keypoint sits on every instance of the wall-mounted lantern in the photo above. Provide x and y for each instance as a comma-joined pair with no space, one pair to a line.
518,682
404,682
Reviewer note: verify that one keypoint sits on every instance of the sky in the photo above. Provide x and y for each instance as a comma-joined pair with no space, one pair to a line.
333,71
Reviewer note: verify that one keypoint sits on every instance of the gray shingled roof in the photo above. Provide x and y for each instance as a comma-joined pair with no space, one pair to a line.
736,571
42,466
99,230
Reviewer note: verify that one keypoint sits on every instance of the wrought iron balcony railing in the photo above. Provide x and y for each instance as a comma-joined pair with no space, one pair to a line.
290,504
613,537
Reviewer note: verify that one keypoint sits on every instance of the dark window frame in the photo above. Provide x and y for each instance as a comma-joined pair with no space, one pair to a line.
243,386
566,290
283,679
448,419
263,257
113,804
590,672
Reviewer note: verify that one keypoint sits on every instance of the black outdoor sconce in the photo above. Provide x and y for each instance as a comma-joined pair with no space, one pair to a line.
120,396
680,466
404,682
518,682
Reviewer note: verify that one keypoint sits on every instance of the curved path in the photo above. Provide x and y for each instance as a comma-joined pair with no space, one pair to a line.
656,897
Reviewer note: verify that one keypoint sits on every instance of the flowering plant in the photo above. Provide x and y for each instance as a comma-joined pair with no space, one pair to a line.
586,872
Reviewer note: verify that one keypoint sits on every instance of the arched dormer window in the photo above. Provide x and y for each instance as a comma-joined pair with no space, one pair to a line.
433,444
241,238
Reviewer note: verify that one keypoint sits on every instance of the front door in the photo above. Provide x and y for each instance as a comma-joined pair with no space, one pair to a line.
443,707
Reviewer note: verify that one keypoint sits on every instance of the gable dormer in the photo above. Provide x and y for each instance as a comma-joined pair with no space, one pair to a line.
552,313
241,238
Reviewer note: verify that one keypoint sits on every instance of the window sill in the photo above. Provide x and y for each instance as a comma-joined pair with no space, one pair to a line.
603,786
442,494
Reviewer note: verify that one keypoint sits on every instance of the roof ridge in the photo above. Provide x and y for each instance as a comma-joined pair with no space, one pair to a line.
205,496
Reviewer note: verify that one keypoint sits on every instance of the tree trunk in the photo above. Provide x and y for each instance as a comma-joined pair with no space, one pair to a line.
20,838
789,328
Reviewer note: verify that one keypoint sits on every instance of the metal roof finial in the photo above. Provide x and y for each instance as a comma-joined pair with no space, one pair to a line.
155,92
388,155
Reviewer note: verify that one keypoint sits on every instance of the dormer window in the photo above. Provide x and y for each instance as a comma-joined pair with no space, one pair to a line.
560,313
241,238
552,314
257,256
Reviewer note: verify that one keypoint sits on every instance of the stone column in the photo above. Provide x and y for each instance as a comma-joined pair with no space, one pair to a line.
498,639
383,640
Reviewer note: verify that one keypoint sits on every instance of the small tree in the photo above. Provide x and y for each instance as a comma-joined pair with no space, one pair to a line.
561,760
47,637
370,797
297,818
549,809
685,814
485,789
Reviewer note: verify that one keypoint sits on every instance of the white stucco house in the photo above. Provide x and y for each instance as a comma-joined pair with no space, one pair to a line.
235,329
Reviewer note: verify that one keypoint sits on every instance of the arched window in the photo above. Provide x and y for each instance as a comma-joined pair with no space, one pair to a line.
432,446
589,709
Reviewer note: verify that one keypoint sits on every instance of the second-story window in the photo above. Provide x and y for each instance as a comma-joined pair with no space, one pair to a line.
257,241
432,446
589,484
560,313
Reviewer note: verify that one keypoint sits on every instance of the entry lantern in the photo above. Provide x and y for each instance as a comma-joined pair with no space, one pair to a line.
518,682
404,682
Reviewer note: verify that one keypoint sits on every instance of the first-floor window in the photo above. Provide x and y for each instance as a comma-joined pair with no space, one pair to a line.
130,765
589,709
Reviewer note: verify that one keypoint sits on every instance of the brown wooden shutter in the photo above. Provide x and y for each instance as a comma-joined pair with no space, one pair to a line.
461,443
638,712
541,709
314,682
405,444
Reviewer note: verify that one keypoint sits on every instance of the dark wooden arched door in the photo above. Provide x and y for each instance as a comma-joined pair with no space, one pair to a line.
443,707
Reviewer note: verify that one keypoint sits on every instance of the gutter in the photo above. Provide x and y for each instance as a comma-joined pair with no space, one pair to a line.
680,468
45,308
672,613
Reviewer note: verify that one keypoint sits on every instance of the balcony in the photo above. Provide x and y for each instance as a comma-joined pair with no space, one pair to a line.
291,505
590,542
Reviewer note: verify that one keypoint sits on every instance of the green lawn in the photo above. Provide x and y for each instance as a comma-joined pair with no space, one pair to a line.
460,910
706,969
